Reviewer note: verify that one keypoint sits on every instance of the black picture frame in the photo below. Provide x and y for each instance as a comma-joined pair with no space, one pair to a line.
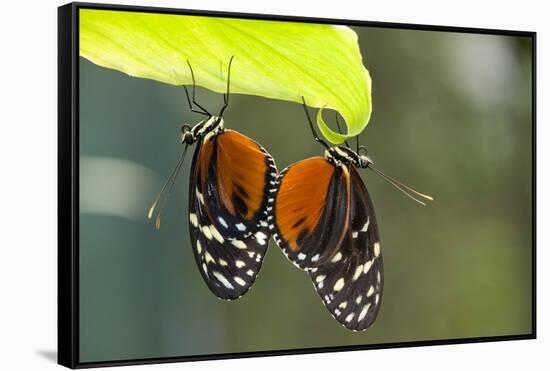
68,184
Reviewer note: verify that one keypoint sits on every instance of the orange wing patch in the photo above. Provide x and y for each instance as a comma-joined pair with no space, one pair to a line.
301,199
241,174
205,156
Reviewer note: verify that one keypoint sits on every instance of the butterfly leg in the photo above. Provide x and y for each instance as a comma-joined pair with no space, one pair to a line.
202,110
226,95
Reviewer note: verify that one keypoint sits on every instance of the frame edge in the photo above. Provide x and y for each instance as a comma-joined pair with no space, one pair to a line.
67,257
68,279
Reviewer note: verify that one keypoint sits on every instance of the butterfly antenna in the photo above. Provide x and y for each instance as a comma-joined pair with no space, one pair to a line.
170,181
405,189
340,130
311,125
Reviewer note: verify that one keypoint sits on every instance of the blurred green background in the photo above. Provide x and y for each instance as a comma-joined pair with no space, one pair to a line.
452,117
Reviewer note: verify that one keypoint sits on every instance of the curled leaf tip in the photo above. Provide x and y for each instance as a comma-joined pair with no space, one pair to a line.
276,59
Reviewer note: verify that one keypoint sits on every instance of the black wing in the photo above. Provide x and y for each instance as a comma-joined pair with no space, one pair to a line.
351,283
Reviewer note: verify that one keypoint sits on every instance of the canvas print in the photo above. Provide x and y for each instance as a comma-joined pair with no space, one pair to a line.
263,185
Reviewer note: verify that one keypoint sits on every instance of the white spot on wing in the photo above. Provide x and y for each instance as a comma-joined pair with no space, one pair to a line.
368,264
337,257
376,249
240,263
261,235
315,258
366,226
364,312
358,272
240,281
206,232
343,305
193,219
339,284
216,234
223,263
350,317
358,300
354,234
222,221
199,246
250,272
199,196
320,278
370,292
301,256
240,227
239,244
208,258
223,280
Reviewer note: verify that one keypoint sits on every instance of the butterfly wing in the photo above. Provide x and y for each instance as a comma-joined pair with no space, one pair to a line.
236,177
229,192
311,211
351,284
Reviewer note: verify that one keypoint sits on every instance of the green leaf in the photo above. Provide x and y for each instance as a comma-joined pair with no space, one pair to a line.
273,59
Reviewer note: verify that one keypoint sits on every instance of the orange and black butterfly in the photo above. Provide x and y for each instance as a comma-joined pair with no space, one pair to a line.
324,222
231,195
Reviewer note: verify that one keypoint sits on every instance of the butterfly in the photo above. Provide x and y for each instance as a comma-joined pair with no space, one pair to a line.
231,195
324,222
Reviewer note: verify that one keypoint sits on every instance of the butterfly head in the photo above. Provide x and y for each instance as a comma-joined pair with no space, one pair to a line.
205,128
364,160
346,156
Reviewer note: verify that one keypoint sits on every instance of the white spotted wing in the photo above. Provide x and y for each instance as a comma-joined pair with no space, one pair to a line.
350,284
229,198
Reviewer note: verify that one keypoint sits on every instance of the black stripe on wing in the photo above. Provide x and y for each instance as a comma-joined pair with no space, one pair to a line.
228,265
351,284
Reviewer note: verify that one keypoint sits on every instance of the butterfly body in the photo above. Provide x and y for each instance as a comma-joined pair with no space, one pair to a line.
231,188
